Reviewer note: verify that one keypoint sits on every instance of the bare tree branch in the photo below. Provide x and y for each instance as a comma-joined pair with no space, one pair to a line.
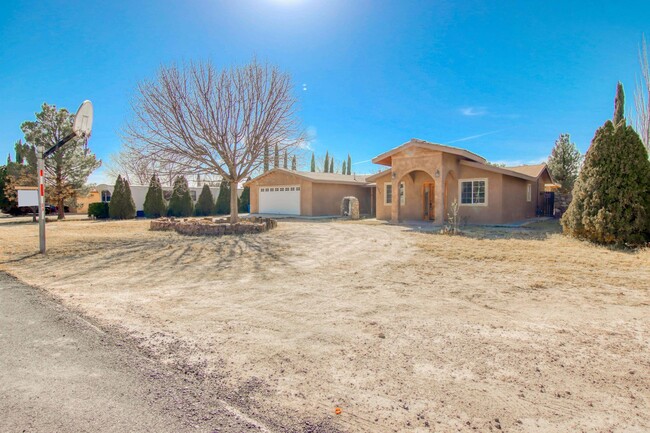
203,120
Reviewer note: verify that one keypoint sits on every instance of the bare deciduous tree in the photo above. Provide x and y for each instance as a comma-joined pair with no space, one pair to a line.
137,168
204,120
642,97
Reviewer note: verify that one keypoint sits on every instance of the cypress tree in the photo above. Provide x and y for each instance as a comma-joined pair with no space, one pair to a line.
294,164
276,161
343,170
286,160
331,170
121,205
349,165
313,162
205,203
180,203
154,204
326,166
222,206
611,198
245,200
619,105
266,157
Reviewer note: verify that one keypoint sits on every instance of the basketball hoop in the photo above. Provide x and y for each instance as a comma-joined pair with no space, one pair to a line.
83,122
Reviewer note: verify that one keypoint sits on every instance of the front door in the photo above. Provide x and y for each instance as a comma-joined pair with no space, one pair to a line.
428,192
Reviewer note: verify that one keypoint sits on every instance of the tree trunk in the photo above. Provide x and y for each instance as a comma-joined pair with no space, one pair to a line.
60,210
234,205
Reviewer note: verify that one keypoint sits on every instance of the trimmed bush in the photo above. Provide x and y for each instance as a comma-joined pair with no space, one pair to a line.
154,203
245,200
222,206
205,203
98,210
611,198
180,203
121,205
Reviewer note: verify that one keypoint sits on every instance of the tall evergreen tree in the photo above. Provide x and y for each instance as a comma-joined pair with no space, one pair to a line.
245,200
68,169
205,203
266,157
619,105
331,170
294,164
564,162
349,164
611,198
180,203
343,170
222,206
286,160
326,165
121,205
313,162
276,161
154,203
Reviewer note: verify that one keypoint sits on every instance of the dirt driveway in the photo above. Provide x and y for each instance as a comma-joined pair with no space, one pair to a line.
403,331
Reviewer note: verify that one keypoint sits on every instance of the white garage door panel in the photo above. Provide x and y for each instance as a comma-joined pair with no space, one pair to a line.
280,199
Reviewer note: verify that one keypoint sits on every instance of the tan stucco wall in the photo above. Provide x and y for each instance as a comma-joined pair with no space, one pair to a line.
315,198
481,214
279,178
327,198
382,210
83,202
515,204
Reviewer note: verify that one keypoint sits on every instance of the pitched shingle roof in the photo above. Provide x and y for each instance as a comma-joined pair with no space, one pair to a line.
529,170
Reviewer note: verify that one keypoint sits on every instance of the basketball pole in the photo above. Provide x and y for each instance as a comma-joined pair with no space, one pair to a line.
41,198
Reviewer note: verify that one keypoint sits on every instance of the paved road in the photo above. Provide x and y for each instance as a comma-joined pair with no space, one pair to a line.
60,373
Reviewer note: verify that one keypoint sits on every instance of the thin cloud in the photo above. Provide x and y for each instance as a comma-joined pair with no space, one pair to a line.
362,162
473,111
472,137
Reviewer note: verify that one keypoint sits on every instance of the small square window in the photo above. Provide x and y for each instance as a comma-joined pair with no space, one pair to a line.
297,188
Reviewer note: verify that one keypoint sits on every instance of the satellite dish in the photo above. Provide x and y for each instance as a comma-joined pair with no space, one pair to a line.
83,120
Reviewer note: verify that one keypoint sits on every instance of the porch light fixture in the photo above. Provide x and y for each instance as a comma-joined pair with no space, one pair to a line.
394,175
437,173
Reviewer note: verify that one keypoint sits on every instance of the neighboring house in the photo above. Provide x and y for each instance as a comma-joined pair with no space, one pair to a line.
421,183
287,192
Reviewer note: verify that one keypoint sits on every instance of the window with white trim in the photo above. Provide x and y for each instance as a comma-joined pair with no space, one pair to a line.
388,193
529,192
473,192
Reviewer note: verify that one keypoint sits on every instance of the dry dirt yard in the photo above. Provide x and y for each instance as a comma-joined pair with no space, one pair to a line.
515,331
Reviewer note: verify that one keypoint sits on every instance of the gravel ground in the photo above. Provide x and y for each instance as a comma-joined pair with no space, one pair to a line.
60,373
515,330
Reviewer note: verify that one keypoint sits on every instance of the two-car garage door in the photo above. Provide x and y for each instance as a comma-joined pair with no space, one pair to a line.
284,200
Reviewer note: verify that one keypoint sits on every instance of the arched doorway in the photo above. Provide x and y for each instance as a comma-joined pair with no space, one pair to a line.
106,196
416,197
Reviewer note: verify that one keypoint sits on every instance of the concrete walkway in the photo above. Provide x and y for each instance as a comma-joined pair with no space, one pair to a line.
60,373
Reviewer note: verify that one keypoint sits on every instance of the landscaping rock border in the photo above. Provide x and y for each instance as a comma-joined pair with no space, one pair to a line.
213,226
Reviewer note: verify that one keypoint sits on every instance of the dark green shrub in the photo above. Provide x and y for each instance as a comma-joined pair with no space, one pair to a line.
611,198
98,210
121,205
205,203
222,207
180,203
245,200
154,203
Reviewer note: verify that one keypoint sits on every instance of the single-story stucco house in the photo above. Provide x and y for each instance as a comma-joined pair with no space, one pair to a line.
421,183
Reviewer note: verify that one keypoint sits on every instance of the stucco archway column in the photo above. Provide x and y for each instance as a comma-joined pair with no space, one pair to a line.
394,207
439,209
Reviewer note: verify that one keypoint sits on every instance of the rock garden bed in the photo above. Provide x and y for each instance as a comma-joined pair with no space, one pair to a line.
213,226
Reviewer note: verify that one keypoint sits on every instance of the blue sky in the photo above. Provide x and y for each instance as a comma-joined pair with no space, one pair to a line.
502,79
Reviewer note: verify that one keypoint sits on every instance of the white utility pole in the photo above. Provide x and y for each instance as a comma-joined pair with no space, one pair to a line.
41,198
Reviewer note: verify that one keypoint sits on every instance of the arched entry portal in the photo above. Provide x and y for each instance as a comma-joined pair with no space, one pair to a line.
415,196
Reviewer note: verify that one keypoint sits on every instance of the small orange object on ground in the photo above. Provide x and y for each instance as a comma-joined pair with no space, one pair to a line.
338,411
